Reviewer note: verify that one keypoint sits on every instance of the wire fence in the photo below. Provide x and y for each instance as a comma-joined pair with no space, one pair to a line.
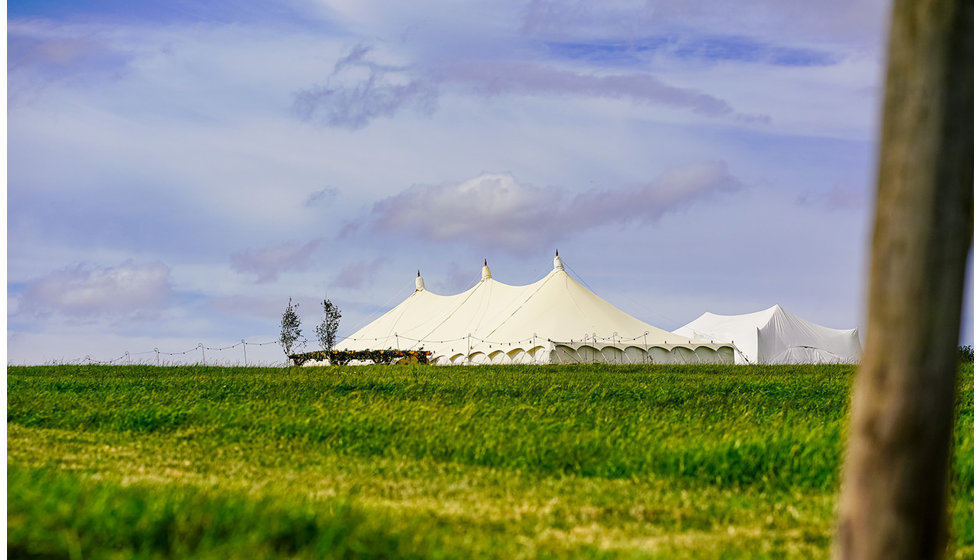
159,357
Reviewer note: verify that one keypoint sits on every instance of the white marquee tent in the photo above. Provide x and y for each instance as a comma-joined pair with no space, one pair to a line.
554,320
775,336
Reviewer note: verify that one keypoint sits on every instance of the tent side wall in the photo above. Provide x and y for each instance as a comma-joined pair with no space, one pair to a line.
788,339
720,329
585,353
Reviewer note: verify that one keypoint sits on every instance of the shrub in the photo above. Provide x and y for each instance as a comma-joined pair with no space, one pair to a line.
966,353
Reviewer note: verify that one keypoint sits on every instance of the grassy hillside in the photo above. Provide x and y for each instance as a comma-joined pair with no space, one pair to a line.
565,461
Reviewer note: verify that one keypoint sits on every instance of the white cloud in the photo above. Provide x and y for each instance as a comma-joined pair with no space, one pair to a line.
358,274
87,291
268,262
837,197
386,89
321,197
498,210
354,106
526,78
42,57
856,22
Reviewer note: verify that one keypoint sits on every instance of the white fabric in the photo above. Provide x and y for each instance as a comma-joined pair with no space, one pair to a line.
775,336
554,320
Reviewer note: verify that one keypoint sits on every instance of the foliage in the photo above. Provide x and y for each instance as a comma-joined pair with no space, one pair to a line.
290,324
966,353
344,357
490,461
326,332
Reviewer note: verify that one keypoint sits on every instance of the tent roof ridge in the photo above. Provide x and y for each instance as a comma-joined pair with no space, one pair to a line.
543,281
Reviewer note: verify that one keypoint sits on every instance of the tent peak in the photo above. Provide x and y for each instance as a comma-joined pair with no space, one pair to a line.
419,283
558,264
486,271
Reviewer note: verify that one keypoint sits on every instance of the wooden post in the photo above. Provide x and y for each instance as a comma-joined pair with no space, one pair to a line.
895,477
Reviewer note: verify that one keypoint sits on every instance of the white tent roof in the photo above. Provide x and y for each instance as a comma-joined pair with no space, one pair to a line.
493,316
776,336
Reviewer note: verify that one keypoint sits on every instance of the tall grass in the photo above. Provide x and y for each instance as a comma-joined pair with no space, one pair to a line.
758,434
775,427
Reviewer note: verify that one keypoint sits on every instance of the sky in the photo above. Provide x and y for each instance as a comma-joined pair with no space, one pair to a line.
178,172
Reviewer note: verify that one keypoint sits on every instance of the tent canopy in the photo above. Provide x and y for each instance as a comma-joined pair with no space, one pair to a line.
555,319
776,336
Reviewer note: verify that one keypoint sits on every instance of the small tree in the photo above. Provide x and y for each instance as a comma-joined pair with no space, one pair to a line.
326,331
290,328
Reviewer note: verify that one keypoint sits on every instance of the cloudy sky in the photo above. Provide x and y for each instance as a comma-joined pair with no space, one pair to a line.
177,171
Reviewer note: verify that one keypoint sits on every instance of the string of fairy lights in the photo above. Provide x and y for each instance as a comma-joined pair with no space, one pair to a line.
615,338
131,357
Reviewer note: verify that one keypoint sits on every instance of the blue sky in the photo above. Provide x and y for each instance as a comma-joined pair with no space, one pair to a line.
178,170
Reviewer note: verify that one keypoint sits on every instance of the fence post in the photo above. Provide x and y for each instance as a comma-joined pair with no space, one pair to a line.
896,470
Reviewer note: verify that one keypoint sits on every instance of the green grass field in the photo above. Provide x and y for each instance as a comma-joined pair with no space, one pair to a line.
426,462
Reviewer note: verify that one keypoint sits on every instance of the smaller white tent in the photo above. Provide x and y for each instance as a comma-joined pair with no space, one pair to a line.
776,336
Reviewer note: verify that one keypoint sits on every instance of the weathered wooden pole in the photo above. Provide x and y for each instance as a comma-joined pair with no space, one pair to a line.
895,477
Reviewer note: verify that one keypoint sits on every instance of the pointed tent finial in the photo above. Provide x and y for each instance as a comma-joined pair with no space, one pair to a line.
418,273
486,270
419,283
556,252
558,264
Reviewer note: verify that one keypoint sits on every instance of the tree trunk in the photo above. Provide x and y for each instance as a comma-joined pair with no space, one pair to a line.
895,477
